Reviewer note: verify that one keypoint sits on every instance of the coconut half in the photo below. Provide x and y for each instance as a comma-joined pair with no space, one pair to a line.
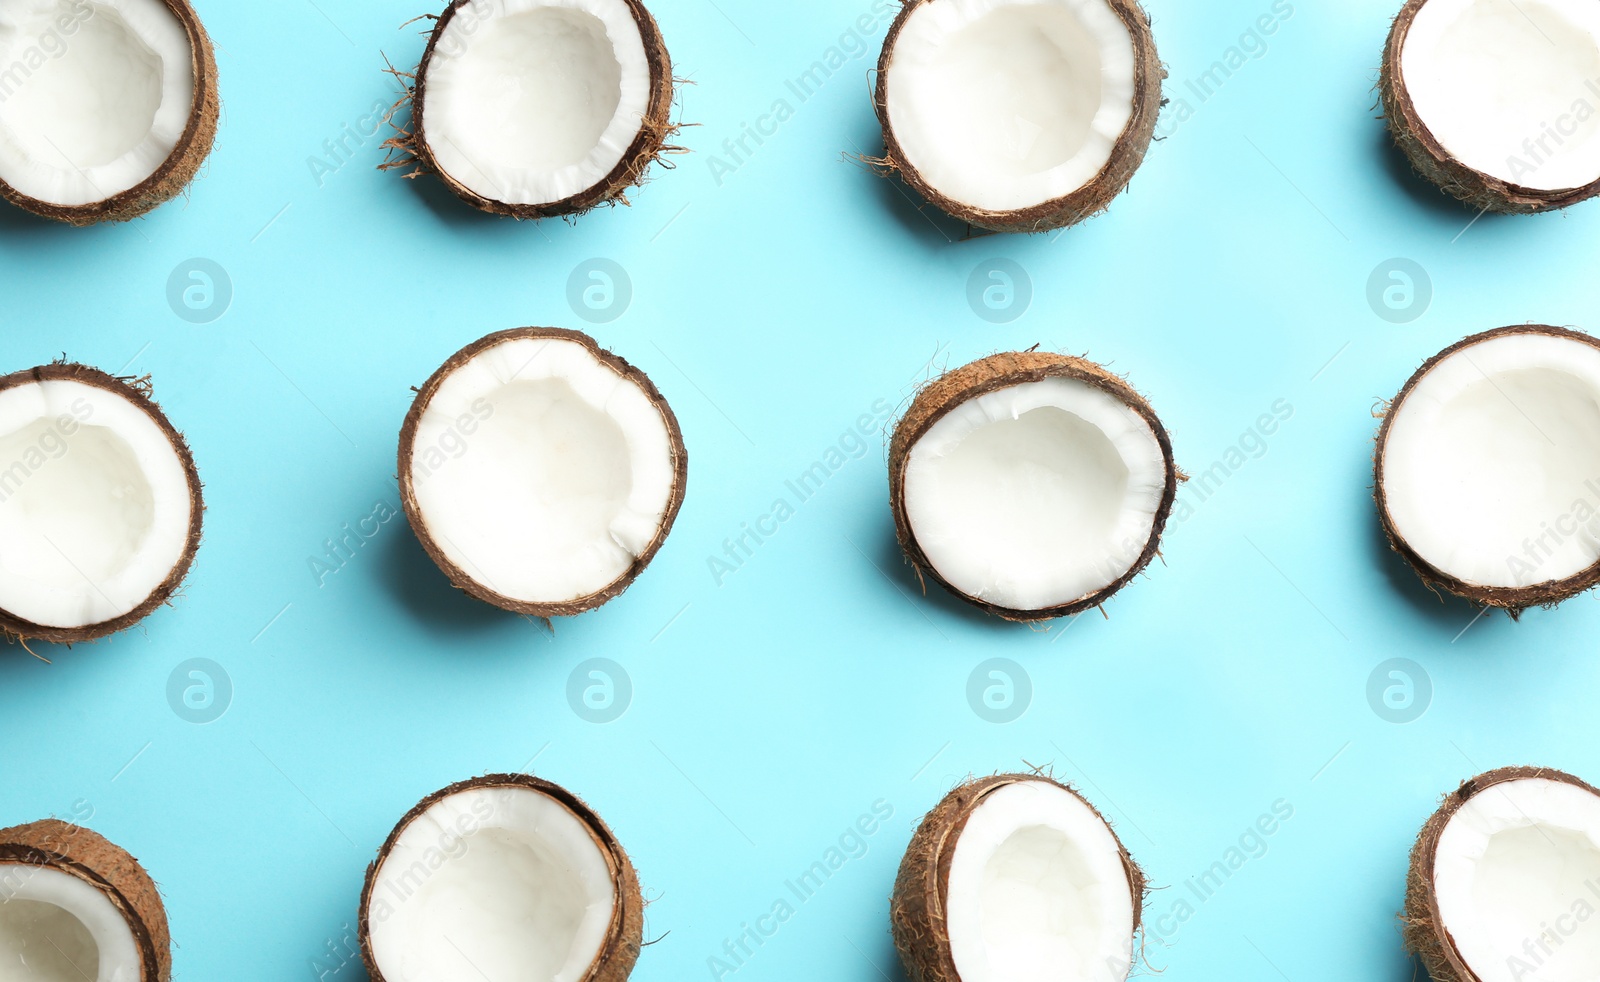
504,877
1487,471
1015,878
541,472
107,107
537,108
100,504
1505,879
73,907
1018,115
1498,101
1031,484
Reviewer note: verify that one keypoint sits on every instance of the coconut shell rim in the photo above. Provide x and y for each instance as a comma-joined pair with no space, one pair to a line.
10,624
463,580
110,870
619,952
1423,928
1438,165
1089,199
1512,599
181,165
924,873
1046,365
645,148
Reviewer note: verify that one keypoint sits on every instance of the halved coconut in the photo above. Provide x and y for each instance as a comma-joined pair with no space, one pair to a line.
541,472
73,907
1031,484
107,107
1495,100
99,504
536,108
1019,115
1016,878
1487,472
1505,880
501,877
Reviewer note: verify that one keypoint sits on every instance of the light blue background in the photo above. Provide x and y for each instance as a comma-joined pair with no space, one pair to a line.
772,310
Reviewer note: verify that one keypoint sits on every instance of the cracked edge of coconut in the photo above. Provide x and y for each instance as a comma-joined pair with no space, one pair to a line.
1421,923
1513,600
180,167
463,580
107,868
409,147
1430,159
917,909
1000,371
136,392
1089,200
624,941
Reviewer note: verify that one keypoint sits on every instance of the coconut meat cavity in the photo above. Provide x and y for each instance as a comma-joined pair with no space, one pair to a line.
55,927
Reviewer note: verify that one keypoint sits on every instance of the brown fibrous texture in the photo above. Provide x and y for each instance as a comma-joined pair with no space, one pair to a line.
1087,201
1002,371
106,867
1422,927
180,167
463,580
1430,158
410,148
917,911
624,938
1514,600
136,392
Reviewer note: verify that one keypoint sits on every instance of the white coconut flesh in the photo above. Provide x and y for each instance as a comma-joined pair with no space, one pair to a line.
499,883
94,504
1005,104
1516,873
55,927
1038,892
1491,468
532,101
93,108
1035,495
1508,87
564,482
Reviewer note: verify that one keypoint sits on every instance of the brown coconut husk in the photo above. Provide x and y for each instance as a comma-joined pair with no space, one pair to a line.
624,938
459,577
1514,600
411,147
136,392
180,167
107,868
1422,927
1429,157
1086,202
1001,371
921,889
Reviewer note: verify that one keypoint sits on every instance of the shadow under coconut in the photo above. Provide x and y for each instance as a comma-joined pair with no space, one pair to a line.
1443,610
1422,192
423,590
922,588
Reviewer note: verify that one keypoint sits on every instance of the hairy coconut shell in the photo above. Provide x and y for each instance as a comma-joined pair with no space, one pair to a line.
625,936
917,910
458,576
107,868
1512,599
1086,202
647,146
1422,926
180,167
1001,371
138,394
1429,157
